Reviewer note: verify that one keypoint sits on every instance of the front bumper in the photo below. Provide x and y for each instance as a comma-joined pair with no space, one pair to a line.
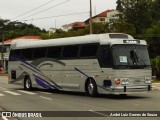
131,88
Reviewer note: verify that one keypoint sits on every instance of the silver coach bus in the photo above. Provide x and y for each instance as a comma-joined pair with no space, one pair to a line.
111,63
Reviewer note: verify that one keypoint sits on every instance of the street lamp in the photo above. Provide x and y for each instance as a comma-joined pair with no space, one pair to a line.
91,29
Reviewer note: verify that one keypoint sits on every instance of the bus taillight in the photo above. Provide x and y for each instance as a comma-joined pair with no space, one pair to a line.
117,81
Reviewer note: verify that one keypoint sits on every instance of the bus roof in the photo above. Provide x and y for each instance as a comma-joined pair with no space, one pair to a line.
108,38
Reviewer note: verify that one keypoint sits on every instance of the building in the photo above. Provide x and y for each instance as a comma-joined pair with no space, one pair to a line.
104,17
6,49
74,26
52,31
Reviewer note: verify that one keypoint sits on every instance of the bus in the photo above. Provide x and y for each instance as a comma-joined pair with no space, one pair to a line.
110,63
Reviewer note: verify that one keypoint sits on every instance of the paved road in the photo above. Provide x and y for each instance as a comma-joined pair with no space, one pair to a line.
14,98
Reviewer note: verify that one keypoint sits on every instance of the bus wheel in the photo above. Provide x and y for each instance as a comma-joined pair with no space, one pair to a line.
27,84
91,88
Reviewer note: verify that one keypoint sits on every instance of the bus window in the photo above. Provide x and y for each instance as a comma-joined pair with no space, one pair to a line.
105,56
27,54
16,53
70,51
88,50
39,53
54,52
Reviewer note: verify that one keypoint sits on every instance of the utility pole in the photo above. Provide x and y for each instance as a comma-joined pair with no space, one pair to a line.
2,52
90,22
2,49
55,24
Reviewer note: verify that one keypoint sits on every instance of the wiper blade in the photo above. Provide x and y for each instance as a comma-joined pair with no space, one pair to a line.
135,58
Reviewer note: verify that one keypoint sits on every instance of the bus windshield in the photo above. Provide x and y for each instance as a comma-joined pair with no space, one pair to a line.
130,56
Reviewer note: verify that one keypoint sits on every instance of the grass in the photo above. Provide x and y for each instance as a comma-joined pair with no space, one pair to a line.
156,81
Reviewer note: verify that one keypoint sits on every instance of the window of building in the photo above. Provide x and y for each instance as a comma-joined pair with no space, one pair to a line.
102,19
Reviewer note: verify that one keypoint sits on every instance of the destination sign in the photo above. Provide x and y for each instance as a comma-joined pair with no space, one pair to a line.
131,41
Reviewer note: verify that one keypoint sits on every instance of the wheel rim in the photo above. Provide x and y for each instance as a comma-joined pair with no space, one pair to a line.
90,88
28,83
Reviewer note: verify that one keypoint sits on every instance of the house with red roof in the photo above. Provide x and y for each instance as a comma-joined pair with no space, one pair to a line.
20,38
103,17
74,26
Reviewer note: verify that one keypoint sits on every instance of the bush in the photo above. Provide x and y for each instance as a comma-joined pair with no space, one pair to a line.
156,66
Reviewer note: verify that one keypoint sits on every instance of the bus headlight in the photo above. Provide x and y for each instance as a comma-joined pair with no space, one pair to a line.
124,81
148,80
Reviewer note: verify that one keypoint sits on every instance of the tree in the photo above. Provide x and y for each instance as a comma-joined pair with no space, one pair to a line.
121,26
17,29
155,14
156,66
153,39
136,12
100,28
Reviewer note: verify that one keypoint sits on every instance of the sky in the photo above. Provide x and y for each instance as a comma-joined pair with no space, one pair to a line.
53,13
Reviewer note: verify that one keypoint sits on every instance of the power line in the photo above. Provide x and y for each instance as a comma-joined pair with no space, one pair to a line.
46,9
57,16
33,9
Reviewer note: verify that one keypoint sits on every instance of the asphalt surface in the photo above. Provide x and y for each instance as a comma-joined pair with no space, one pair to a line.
14,98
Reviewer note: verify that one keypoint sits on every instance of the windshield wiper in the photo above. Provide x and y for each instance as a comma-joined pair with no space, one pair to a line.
135,58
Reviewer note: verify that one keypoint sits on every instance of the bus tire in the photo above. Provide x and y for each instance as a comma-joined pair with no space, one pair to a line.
27,84
91,88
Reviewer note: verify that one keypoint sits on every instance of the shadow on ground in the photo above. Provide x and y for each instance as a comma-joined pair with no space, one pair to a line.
104,96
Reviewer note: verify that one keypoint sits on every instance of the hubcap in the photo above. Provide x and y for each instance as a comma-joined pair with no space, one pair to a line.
90,88
28,83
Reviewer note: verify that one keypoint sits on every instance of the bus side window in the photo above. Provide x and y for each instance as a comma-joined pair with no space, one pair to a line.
70,51
27,54
105,58
54,52
39,53
88,50
15,53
